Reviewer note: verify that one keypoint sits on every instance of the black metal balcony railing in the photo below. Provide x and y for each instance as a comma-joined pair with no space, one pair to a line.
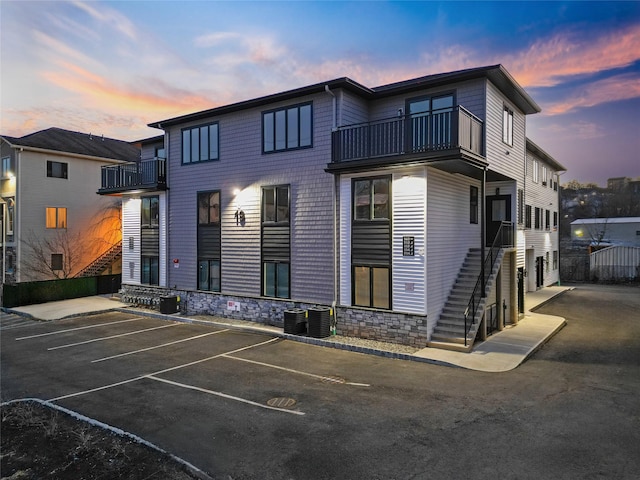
126,176
409,134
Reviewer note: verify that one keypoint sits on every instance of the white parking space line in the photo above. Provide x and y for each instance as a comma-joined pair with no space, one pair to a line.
224,395
78,328
159,346
141,377
291,370
114,336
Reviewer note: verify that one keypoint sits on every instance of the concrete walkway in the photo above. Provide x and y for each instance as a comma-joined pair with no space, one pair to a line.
505,350
501,352
68,308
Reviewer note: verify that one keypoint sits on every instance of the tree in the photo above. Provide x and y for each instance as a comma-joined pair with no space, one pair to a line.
54,256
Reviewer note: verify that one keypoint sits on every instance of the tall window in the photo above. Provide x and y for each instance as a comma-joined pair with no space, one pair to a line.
276,243
473,205
200,144
57,169
371,242
547,220
150,270
287,128
527,216
520,206
11,213
208,208
275,204
535,171
8,167
150,214
507,125
56,217
544,175
555,220
538,218
209,235
371,199
150,240
555,259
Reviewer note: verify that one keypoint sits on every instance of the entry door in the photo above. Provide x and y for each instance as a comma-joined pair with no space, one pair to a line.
539,272
498,210
520,290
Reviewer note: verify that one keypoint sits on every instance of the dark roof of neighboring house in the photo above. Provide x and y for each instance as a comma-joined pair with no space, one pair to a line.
496,73
149,141
536,150
66,141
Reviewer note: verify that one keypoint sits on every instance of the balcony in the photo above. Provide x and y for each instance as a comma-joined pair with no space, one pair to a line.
445,138
146,175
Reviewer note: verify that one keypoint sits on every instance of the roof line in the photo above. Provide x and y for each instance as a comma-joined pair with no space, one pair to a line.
545,156
495,73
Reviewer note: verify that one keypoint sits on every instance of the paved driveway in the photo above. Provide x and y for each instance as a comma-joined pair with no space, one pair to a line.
244,405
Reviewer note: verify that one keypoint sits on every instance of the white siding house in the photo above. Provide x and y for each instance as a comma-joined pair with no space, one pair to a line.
48,187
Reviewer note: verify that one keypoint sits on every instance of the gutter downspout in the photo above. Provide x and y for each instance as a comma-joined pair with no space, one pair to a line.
334,119
334,127
483,229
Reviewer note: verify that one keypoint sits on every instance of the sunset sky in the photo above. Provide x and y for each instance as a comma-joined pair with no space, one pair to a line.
113,67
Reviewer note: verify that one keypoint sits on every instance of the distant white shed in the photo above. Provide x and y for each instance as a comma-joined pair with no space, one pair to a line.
607,231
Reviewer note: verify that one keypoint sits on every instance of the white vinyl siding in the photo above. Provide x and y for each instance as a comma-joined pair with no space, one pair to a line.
449,235
130,237
345,241
409,219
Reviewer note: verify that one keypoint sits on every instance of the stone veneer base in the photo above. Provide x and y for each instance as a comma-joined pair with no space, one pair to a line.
384,326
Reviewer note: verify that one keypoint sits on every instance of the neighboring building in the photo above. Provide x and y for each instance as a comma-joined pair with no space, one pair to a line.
601,232
48,186
380,202
541,217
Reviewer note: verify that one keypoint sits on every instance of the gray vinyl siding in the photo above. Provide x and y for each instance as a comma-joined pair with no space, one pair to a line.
449,235
243,166
470,95
352,109
148,151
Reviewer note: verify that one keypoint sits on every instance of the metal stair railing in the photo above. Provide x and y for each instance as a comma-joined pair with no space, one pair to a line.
503,238
103,260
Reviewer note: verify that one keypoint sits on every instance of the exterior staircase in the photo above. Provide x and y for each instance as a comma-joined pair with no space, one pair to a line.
449,332
96,267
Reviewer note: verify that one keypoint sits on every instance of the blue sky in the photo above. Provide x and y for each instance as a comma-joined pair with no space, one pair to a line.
113,67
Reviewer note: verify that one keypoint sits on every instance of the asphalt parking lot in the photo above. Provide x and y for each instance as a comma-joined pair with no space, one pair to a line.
246,405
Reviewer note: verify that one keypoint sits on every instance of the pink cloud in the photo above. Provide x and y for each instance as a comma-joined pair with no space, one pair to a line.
547,62
619,87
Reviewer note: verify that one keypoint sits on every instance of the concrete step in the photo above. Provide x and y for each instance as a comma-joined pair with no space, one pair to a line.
454,347
435,337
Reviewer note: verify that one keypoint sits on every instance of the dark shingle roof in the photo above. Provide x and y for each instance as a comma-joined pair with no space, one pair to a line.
60,140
